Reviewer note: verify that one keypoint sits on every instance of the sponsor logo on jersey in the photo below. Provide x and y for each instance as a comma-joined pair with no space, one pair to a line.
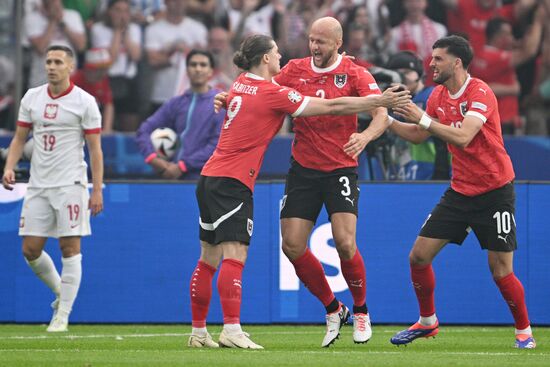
463,108
340,80
50,111
249,226
294,96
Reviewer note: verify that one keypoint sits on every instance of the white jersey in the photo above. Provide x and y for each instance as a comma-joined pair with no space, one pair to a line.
59,124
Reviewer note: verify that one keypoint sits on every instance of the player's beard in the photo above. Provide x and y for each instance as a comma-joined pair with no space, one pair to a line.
442,77
325,60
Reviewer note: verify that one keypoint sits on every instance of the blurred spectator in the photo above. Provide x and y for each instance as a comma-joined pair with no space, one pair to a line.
166,43
537,105
93,78
89,10
123,40
416,33
145,12
430,159
202,10
7,78
51,24
373,48
357,46
470,17
191,115
496,64
220,47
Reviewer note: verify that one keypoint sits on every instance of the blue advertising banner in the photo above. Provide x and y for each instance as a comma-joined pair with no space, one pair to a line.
144,247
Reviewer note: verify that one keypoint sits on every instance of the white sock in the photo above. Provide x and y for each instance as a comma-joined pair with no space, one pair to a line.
70,282
525,331
427,321
44,269
199,331
233,328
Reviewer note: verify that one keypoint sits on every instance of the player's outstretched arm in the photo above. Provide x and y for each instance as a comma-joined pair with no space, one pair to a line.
14,154
96,161
353,105
426,125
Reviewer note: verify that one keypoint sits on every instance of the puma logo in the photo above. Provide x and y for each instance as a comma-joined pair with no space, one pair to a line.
505,238
351,201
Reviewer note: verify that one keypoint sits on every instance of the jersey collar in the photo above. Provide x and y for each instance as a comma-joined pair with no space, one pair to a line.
461,90
253,76
67,91
328,68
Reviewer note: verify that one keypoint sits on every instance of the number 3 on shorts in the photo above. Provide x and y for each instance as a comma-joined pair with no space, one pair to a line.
345,182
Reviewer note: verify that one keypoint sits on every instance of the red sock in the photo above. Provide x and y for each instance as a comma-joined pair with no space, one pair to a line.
201,292
423,280
512,291
230,290
356,276
311,273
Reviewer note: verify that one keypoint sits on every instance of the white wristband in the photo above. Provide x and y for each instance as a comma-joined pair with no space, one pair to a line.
390,119
425,121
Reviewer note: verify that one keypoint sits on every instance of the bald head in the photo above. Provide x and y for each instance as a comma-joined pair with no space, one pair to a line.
329,26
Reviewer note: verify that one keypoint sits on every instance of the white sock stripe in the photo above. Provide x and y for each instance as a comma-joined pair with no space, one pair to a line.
213,226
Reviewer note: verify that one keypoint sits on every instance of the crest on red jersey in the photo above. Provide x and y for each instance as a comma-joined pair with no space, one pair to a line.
50,111
340,80
463,108
294,96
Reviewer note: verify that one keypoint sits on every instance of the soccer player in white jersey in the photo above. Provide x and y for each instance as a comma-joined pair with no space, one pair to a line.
57,203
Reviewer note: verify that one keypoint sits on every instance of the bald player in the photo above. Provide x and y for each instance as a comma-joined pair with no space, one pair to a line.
324,172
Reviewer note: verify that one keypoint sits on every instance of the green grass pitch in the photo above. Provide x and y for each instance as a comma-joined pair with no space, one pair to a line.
285,345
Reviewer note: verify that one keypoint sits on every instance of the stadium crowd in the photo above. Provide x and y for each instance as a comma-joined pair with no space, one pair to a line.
147,41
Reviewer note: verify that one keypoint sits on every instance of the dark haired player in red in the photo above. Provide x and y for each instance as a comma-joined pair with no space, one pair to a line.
463,112
256,108
324,172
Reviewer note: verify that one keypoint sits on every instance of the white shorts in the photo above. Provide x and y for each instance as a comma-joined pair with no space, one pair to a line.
55,212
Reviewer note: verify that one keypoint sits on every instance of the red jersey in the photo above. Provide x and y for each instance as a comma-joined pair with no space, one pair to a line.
494,65
484,165
256,109
100,90
319,140
471,19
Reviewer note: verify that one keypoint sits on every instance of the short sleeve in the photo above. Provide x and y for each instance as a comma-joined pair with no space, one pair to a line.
152,40
135,33
24,118
73,20
91,121
481,103
287,100
366,85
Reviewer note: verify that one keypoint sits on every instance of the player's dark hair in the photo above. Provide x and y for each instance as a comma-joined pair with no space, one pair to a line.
252,50
493,27
65,49
457,46
194,52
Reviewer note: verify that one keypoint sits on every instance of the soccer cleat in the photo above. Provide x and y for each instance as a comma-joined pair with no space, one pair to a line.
525,341
414,332
240,340
335,321
362,331
58,324
202,341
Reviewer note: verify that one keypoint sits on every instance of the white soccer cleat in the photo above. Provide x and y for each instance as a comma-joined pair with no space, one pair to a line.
362,330
202,341
240,340
335,321
58,324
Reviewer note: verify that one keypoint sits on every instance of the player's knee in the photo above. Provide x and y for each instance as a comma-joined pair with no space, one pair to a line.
31,253
292,250
346,248
418,258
